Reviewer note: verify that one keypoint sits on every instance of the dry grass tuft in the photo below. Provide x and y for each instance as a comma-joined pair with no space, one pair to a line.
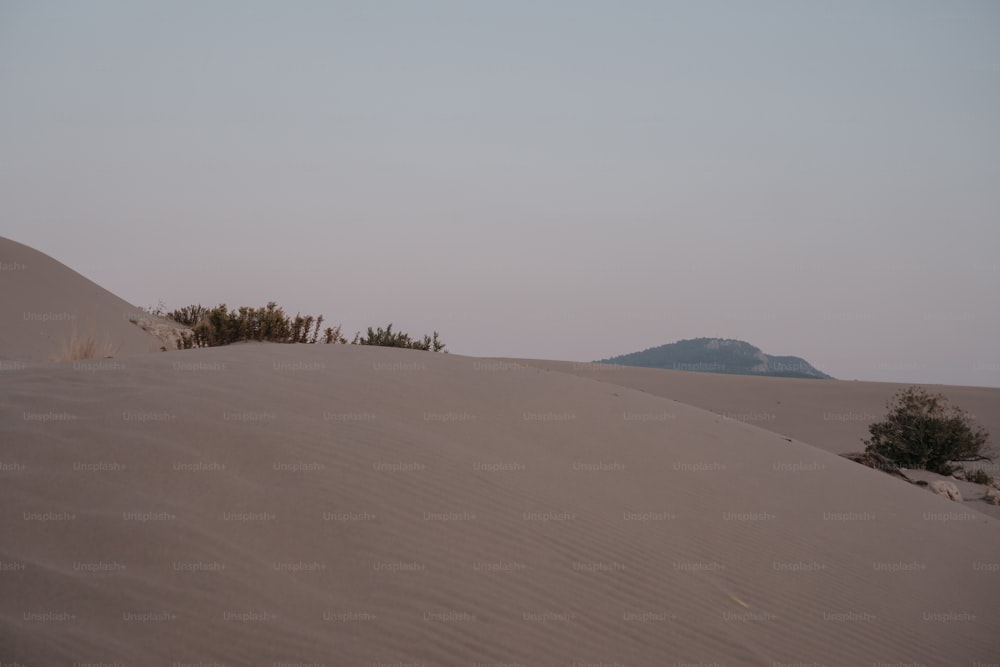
85,346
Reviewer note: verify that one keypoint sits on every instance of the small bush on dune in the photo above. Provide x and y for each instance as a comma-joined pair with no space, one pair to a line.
301,326
189,315
923,431
332,335
221,326
388,338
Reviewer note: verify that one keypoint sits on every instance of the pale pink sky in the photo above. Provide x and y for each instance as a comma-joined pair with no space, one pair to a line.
567,180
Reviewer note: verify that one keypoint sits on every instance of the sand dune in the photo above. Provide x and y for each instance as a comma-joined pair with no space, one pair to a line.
268,504
45,302
831,414
348,505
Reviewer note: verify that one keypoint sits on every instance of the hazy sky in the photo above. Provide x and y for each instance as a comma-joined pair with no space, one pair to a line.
567,180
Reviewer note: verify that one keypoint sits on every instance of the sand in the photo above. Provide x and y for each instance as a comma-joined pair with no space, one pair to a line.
265,504
831,414
46,304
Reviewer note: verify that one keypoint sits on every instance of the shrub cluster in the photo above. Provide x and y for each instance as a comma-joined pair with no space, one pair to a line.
923,431
389,338
211,327
221,326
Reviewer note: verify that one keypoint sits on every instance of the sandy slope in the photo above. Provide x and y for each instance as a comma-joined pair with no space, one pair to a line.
832,414
44,301
361,506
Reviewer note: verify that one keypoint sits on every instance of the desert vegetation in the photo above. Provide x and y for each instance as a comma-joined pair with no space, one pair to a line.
85,345
389,338
923,431
211,327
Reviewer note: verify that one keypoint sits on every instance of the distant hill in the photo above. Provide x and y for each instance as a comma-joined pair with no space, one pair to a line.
719,355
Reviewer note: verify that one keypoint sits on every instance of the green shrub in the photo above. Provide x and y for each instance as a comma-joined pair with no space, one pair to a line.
189,315
388,338
923,431
221,326
332,335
